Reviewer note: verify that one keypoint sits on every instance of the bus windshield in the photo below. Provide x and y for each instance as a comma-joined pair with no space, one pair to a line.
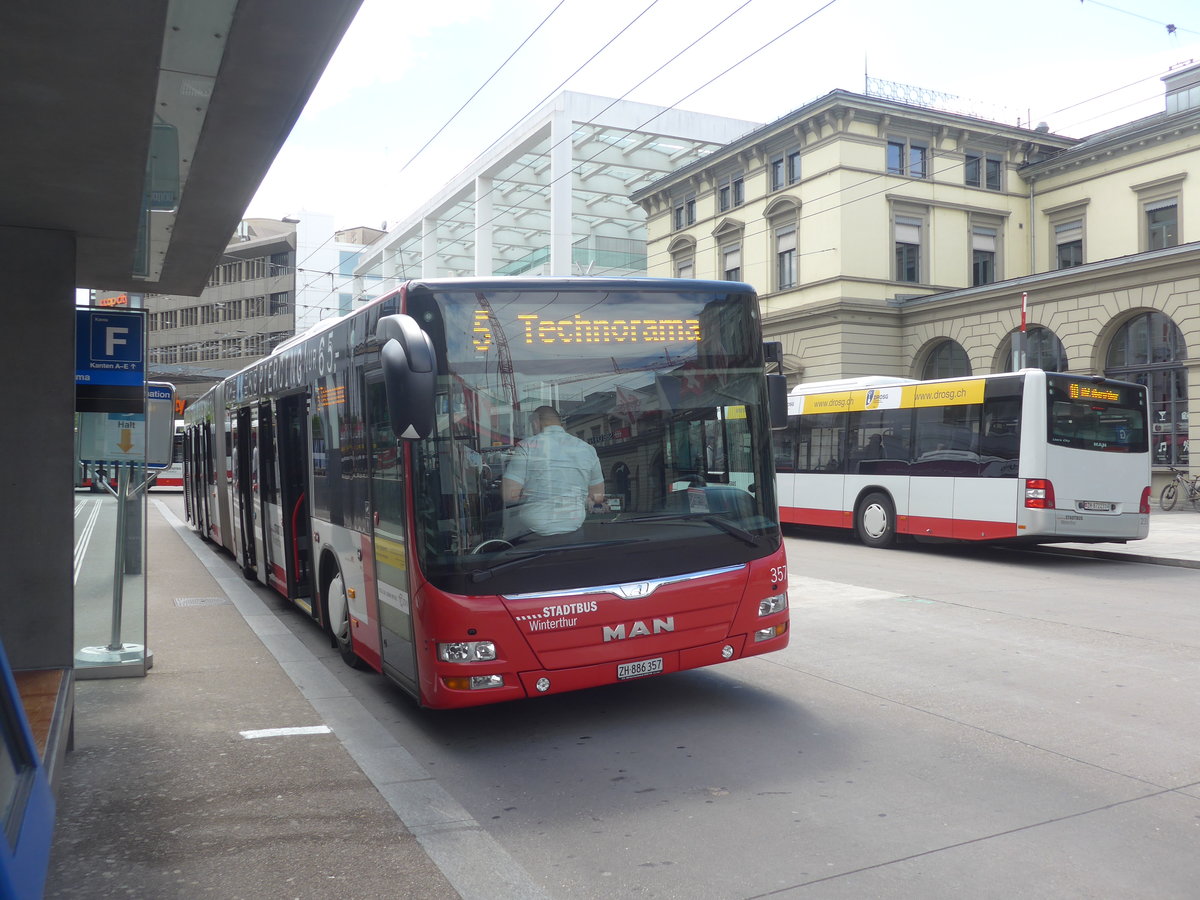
663,389
1103,416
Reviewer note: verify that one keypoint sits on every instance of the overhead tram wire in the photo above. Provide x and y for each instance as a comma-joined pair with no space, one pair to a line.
578,69
425,146
730,68
664,110
486,82
934,155
299,265
617,100
1170,27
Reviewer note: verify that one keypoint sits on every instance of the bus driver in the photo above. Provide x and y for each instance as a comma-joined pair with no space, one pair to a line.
553,475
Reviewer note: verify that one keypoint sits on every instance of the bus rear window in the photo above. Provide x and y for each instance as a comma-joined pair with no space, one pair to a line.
1106,417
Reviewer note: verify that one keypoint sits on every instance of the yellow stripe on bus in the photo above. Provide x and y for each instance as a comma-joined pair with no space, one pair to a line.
390,553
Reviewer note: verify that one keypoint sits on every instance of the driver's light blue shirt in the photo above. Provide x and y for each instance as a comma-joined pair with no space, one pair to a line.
555,471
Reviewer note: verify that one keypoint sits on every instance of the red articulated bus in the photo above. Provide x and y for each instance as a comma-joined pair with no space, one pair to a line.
359,471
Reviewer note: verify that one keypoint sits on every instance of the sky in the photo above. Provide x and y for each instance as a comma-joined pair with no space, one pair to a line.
415,92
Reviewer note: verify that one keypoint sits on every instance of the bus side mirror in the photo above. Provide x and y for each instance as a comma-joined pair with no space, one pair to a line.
777,398
409,372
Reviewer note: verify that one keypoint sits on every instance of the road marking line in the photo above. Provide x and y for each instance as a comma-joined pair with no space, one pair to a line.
284,732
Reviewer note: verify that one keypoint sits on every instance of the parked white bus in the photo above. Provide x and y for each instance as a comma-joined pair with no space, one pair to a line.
1027,456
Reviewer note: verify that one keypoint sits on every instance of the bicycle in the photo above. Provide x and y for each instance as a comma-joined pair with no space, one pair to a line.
1180,482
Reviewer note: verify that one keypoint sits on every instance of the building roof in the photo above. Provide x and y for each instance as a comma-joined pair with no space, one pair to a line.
96,92
616,145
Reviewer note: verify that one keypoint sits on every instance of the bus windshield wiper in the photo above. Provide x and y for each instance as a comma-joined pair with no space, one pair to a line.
713,519
479,575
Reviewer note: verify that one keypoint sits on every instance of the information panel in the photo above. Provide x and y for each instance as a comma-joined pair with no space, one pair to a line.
110,361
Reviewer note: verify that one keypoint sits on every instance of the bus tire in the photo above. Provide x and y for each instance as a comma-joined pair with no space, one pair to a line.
338,609
1169,495
875,520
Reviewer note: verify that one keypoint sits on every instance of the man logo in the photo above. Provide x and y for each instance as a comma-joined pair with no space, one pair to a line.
638,629
636,591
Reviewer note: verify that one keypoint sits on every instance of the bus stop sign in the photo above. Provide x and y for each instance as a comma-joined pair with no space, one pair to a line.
110,361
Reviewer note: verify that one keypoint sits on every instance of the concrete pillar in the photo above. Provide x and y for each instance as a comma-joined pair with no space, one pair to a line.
37,344
561,180
429,255
484,249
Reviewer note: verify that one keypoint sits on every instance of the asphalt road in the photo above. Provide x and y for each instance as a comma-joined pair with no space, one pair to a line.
947,722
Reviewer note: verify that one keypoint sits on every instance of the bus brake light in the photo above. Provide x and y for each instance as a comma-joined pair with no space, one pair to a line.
1039,493
1144,503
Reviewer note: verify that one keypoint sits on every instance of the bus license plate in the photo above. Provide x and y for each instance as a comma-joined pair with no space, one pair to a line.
640,668
1096,506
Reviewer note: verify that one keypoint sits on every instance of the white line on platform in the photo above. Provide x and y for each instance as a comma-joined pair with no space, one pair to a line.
284,732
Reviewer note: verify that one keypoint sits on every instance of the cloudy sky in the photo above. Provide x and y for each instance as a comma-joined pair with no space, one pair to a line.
416,92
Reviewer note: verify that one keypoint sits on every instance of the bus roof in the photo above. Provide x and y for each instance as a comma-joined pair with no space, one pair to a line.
848,384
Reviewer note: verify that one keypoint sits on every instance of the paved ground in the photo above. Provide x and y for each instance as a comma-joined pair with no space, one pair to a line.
164,797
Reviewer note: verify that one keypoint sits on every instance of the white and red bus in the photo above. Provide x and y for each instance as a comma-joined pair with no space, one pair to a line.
1027,456
357,471
171,477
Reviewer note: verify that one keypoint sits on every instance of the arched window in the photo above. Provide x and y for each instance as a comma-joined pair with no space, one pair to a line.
1149,349
683,258
947,360
1043,350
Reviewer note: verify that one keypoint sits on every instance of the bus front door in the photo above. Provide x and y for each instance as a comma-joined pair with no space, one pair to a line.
388,518
294,465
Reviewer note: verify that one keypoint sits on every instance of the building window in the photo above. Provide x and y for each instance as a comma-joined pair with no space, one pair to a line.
281,303
785,257
685,269
1162,224
281,263
1068,244
188,316
778,173
1043,350
948,360
983,170
685,213
731,192
905,157
983,254
908,249
793,166
1149,349
256,306
731,262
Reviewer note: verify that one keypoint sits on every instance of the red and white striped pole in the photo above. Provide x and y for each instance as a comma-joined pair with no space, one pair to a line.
1019,341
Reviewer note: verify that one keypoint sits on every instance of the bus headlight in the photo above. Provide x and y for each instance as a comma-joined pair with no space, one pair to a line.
766,634
473,682
467,651
772,605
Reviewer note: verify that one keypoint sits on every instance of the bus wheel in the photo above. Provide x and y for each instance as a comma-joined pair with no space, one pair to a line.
876,520
339,622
